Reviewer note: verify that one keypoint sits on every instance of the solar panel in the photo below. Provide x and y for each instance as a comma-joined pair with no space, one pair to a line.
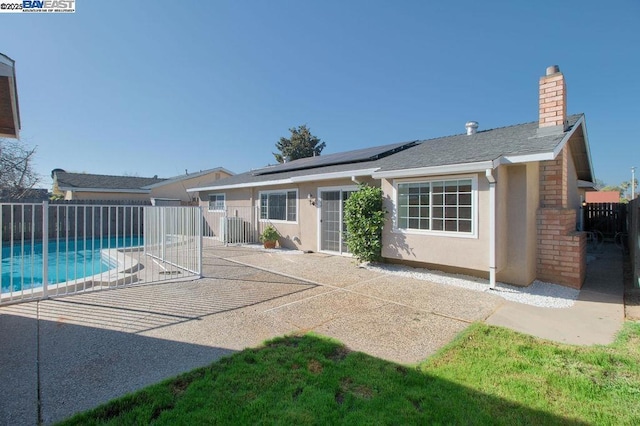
356,156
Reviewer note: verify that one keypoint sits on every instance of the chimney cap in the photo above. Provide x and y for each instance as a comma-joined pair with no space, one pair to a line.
472,127
553,69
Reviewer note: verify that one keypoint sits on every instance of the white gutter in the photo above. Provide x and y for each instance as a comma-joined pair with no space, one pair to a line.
492,227
435,170
128,191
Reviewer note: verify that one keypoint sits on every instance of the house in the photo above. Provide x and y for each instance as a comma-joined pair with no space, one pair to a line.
153,190
602,197
500,203
9,111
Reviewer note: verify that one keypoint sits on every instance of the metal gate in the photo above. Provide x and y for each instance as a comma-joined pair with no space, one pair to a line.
231,225
53,250
609,219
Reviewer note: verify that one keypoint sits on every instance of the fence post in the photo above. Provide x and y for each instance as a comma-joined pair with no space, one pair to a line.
200,231
45,249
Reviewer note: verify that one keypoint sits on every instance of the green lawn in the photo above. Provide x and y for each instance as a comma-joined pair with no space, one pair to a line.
488,375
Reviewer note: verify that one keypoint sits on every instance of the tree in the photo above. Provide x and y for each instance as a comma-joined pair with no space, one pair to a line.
17,176
364,217
302,144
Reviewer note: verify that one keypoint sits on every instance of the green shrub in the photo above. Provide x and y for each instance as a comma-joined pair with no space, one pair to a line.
269,234
364,217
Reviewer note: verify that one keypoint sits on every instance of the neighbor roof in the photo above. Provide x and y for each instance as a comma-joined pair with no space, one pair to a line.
189,176
450,154
85,181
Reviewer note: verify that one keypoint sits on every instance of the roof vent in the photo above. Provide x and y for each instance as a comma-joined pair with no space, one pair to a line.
472,127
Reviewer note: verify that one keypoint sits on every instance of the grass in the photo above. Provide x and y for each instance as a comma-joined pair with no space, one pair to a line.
488,375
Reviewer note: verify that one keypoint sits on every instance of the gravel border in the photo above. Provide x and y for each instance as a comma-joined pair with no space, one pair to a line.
541,294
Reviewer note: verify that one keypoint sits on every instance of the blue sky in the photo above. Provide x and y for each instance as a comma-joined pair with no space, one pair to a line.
157,87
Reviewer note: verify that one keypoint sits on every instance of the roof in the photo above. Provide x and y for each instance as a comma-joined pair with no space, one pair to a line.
189,176
9,110
348,157
450,154
485,145
85,181
602,197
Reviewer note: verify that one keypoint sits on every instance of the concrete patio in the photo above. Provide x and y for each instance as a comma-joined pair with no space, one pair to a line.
65,355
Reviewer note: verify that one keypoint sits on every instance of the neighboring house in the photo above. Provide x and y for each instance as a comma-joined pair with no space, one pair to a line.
500,203
9,111
30,195
154,190
602,197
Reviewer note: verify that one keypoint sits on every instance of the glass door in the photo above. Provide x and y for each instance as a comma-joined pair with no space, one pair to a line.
332,226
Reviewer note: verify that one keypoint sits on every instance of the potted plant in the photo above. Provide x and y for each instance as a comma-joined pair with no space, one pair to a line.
269,237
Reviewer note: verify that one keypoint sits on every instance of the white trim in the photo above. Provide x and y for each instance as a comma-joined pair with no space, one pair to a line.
113,190
289,181
474,208
447,169
567,136
279,191
335,175
587,148
525,158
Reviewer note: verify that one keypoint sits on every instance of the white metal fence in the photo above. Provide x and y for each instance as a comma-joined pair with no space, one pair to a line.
52,250
232,225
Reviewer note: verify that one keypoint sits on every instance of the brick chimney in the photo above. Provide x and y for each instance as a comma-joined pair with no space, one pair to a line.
553,100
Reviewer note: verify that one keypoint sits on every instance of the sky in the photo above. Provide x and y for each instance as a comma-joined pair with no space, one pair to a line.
157,87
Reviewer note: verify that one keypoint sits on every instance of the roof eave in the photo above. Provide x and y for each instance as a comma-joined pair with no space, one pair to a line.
445,169
7,69
127,191
289,181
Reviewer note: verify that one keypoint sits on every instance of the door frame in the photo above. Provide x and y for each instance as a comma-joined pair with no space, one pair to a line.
321,189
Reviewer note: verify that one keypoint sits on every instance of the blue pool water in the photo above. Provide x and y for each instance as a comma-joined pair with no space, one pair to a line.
68,260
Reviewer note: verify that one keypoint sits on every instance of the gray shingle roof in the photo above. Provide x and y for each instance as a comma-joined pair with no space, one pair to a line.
86,180
486,145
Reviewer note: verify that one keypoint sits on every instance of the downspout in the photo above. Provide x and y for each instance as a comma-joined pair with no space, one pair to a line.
355,180
492,228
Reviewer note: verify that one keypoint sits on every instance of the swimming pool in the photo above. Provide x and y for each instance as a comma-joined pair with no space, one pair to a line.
21,265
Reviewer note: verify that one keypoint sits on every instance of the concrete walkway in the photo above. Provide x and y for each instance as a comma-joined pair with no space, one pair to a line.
595,318
66,355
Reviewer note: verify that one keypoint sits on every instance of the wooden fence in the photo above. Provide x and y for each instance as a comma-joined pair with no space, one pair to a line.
608,218
634,240
69,220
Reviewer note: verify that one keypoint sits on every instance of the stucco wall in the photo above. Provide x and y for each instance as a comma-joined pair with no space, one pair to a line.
301,234
518,202
470,253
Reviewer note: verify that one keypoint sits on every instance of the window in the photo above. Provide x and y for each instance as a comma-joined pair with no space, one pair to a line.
216,202
279,205
439,205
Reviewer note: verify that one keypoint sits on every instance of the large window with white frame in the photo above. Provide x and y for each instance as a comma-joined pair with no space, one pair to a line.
437,205
216,202
279,205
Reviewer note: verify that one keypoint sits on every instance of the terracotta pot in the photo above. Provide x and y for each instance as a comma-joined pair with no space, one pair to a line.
270,244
